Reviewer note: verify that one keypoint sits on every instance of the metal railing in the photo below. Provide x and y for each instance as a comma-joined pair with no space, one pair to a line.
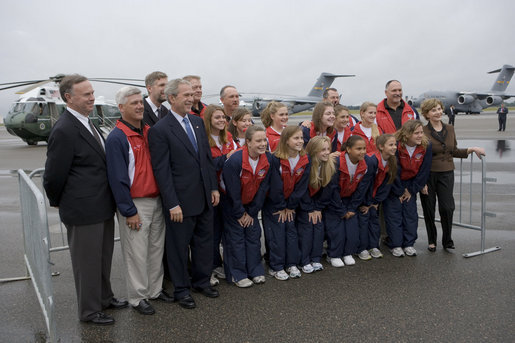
36,242
483,212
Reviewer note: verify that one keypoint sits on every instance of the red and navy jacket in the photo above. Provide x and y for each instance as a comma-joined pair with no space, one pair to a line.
379,187
371,144
129,169
336,144
311,132
273,138
287,188
245,190
220,156
414,171
200,111
317,199
385,121
350,193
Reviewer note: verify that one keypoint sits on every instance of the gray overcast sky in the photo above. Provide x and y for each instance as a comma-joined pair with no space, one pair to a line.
261,46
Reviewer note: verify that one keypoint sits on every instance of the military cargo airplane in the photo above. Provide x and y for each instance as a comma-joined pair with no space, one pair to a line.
472,102
257,102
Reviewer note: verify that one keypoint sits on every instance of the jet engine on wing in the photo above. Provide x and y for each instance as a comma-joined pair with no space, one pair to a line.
493,100
465,99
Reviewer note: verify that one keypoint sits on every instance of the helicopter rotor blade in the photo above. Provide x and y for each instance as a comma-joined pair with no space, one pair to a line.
119,83
20,83
113,78
32,86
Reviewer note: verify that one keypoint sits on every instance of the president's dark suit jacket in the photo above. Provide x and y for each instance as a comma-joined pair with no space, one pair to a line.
149,116
184,177
75,176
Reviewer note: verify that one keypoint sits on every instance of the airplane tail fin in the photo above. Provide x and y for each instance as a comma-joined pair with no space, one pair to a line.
503,80
325,80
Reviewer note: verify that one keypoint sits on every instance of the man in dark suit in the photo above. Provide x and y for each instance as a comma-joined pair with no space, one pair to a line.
154,108
184,171
452,115
75,180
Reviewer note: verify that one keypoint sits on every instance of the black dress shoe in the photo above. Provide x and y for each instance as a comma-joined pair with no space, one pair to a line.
117,304
164,296
144,308
450,246
100,318
209,292
186,302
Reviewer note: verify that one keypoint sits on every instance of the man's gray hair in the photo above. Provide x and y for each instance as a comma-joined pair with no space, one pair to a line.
172,87
153,77
191,77
124,93
389,82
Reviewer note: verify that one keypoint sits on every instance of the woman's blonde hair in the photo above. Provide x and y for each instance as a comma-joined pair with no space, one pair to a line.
271,108
208,115
320,178
282,148
362,109
318,112
406,131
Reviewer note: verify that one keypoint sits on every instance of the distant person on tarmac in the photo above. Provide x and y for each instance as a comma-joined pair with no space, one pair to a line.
501,115
452,115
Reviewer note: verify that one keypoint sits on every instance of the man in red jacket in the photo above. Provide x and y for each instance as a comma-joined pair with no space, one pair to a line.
392,112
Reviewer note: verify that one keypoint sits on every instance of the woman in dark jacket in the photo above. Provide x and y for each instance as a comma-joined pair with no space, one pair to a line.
441,178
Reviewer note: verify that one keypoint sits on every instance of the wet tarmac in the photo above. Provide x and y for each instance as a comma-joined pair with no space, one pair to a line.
434,297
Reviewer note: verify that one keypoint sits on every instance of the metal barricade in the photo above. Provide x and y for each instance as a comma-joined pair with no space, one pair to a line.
461,202
36,243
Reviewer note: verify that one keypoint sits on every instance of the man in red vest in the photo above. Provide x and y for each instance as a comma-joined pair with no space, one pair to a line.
392,112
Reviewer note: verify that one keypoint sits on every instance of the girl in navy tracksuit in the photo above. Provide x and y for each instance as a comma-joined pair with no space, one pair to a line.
241,120
341,221
314,201
289,182
414,162
275,119
383,165
341,126
246,176
367,128
322,122
222,147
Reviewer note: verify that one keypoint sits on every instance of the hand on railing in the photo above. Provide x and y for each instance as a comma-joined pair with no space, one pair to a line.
477,150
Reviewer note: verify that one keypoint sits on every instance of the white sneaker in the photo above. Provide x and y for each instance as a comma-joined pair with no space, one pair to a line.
294,272
317,266
219,272
375,253
243,283
258,279
335,262
279,275
397,252
213,281
308,269
364,255
349,260
410,251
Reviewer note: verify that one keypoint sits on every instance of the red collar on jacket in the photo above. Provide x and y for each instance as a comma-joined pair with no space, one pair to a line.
410,165
347,187
313,132
289,180
249,181
385,121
